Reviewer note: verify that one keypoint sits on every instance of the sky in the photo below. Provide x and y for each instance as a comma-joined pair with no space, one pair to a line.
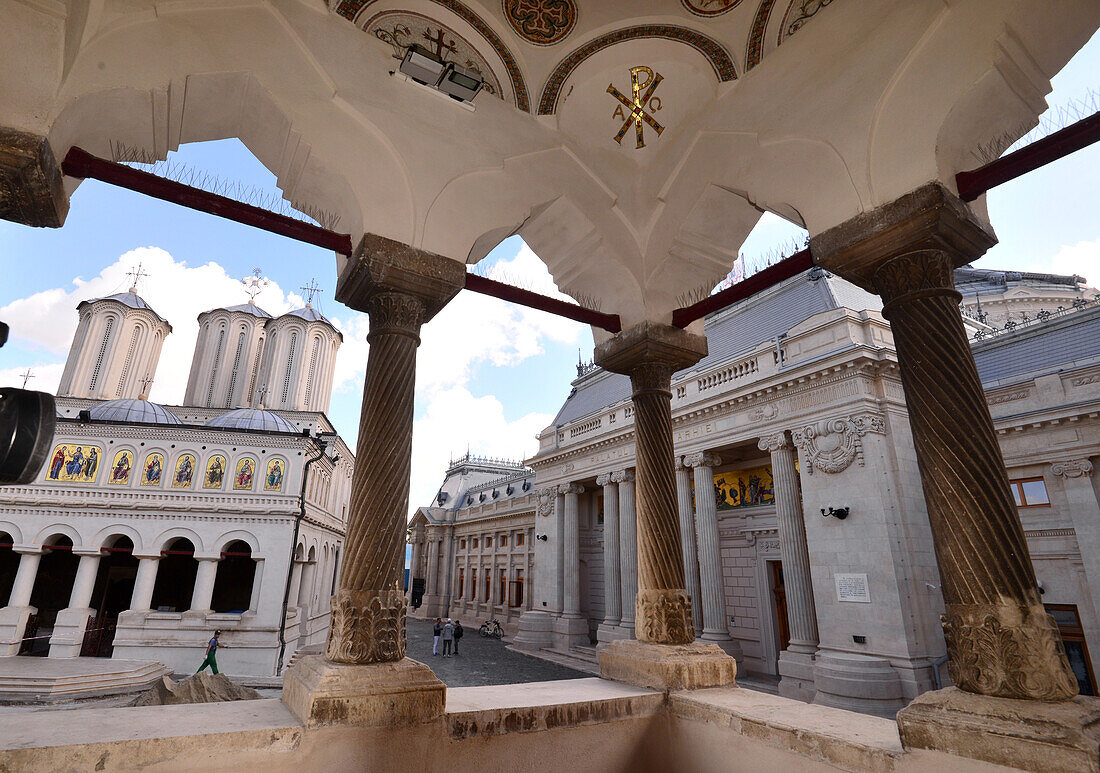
490,375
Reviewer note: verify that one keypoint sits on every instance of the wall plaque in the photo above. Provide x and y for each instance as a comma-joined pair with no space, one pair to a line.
852,587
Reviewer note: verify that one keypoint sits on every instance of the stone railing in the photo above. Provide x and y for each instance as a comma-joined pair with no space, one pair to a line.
746,368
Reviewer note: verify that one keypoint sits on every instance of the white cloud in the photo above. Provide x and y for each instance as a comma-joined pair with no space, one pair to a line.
44,376
1082,259
47,320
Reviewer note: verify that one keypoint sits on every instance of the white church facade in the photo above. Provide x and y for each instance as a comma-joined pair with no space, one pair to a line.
810,558
150,526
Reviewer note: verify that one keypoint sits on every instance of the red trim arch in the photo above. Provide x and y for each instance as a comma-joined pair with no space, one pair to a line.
711,49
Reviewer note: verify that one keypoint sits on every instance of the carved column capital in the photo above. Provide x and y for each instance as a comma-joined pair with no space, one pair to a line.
702,459
622,476
774,442
604,480
31,192
912,276
839,453
1074,468
570,488
368,626
664,616
393,312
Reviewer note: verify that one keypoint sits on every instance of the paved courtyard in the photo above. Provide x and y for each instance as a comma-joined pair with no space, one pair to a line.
482,661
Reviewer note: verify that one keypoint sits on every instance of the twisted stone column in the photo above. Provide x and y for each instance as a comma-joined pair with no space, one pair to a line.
400,289
612,572
628,547
801,617
571,551
712,593
1000,640
688,543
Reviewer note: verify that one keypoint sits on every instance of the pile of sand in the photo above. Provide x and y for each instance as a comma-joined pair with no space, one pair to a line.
200,688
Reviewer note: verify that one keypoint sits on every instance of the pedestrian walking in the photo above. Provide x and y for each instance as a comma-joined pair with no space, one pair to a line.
437,629
211,651
458,634
448,638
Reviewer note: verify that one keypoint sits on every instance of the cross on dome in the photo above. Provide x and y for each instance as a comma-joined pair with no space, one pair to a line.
145,384
138,275
260,393
255,284
27,374
310,290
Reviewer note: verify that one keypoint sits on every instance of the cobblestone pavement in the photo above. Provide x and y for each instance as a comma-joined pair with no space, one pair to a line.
481,661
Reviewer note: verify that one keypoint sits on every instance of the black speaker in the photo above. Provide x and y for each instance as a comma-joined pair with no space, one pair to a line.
27,421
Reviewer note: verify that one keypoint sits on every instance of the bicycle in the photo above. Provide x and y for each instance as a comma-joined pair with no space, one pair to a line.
491,629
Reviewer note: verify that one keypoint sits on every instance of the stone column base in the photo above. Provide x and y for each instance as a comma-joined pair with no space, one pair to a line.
609,633
1030,735
856,682
729,645
536,631
404,692
796,676
68,632
667,666
569,631
13,622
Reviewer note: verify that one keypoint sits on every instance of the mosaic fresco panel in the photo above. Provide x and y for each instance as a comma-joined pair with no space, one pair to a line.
542,22
215,472
244,474
734,489
184,472
121,467
71,463
153,469
273,480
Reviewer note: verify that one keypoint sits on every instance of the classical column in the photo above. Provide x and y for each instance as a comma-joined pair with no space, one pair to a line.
431,582
666,654
84,581
612,574
796,661
688,543
1084,511
414,562
67,638
1000,640
401,288
572,551
145,581
24,577
295,581
257,583
204,583
711,588
628,548
558,602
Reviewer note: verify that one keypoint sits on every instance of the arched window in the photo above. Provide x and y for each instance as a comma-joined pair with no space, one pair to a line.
175,583
233,582
135,337
251,395
9,565
112,593
52,588
214,368
289,364
236,367
312,369
107,328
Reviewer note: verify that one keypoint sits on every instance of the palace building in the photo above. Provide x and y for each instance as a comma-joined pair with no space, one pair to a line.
809,558
152,525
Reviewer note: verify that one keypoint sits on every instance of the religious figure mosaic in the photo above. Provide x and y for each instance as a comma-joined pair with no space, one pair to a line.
640,105
215,472
152,470
542,22
402,29
73,464
744,488
273,481
246,471
710,7
798,13
121,468
185,471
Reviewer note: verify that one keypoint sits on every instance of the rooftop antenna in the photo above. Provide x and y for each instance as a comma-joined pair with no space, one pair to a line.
255,284
310,289
145,384
138,275
27,375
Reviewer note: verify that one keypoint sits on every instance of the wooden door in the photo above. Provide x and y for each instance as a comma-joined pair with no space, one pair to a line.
779,593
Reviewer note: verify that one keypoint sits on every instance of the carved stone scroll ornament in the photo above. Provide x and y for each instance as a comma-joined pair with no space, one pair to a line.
604,479
546,501
622,476
570,488
773,443
702,459
833,444
664,616
993,656
1075,468
367,626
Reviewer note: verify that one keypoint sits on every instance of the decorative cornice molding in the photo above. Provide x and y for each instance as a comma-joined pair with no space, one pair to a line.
849,447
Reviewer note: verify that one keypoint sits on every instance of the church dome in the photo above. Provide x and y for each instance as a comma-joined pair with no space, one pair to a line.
309,314
244,308
252,418
129,298
134,411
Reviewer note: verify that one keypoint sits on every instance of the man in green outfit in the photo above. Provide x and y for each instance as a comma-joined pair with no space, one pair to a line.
211,651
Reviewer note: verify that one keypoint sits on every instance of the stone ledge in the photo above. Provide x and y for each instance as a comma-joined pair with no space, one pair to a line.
842,738
534,706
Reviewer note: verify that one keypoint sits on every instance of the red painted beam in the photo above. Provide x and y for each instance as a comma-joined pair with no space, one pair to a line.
761,280
506,292
1077,135
80,163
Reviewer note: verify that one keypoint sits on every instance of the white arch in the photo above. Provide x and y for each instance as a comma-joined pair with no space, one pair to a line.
162,540
59,528
100,539
238,534
12,529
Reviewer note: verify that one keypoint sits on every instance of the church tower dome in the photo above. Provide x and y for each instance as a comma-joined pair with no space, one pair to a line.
300,360
116,347
227,358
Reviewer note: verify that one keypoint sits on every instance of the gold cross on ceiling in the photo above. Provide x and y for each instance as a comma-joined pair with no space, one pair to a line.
637,105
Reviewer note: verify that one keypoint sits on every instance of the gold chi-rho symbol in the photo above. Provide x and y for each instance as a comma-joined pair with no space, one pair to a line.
638,105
